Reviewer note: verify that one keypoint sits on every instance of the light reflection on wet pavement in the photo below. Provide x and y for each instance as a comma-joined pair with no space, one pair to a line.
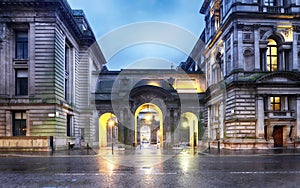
133,168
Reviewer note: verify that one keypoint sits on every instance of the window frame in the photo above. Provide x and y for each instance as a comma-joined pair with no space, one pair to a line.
21,83
19,126
274,104
21,45
269,3
271,56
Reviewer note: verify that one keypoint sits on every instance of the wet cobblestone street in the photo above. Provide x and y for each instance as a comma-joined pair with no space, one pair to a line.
177,169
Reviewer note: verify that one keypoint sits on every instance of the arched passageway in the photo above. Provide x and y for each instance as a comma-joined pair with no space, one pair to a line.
108,129
148,124
188,130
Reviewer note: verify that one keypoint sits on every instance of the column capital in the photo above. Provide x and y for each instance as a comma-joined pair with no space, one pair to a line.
261,96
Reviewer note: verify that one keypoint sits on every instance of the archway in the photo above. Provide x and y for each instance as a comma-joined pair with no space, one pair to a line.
108,129
190,121
148,124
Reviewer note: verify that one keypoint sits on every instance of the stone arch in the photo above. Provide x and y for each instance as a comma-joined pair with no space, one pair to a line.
158,127
274,35
190,121
163,98
104,122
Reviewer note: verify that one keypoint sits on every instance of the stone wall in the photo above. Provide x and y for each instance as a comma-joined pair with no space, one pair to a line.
29,143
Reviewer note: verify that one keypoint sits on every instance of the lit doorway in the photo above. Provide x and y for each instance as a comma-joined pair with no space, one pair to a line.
108,129
148,124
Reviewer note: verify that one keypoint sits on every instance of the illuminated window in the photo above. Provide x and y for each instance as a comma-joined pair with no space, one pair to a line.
269,2
272,56
19,124
275,103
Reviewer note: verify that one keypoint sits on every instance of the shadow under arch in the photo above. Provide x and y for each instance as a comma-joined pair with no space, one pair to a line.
190,121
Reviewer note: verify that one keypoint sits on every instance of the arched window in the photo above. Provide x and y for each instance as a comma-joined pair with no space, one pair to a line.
272,55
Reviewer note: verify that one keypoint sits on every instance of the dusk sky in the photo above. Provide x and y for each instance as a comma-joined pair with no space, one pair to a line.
123,25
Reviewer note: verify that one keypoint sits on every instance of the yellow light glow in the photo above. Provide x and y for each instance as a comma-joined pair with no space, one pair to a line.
153,83
185,124
111,122
148,116
287,31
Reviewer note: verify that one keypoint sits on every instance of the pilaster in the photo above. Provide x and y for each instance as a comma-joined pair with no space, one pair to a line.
256,47
31,63
260,117
209,123
298,117
295,50
240,48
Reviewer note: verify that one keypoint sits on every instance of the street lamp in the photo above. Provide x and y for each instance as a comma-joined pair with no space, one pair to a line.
111,123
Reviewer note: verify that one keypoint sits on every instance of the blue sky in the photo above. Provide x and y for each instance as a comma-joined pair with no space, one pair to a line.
181,17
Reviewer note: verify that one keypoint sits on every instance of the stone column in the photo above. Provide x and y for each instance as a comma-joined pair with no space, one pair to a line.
260,117
256,47
209,122
222,115
224,68
298,117
240,48
295,50
286,104
31,63
8,129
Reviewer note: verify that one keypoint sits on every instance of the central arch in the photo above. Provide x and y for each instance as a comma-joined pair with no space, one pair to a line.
148,112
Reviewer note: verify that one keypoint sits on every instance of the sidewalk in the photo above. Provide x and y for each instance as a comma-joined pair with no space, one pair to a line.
83,152
249,152
62,153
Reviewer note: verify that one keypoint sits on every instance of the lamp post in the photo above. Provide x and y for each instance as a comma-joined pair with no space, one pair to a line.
111,123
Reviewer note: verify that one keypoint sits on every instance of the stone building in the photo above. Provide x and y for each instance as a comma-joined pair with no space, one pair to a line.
252,62
47,55
163,107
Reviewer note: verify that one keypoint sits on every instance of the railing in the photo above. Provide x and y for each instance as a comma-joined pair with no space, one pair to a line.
280,114
273,9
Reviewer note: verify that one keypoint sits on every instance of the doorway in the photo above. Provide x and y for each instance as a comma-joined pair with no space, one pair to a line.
148,124
278,136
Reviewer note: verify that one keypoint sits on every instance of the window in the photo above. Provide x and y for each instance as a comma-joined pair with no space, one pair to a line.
67,59
69,125
275,103
272,59
269,2
21,82
21,45
19,124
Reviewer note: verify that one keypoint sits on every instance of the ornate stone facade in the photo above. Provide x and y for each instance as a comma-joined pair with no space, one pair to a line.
46,60
252,66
